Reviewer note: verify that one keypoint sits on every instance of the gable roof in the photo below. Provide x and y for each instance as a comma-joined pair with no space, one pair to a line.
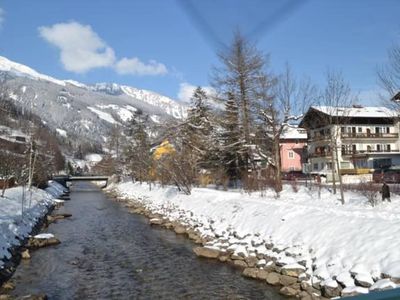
357,112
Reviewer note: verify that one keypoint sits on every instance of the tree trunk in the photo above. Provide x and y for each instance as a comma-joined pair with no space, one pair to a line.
339,176
277,158
333,150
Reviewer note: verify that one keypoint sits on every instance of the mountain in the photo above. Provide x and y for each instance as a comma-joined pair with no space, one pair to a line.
84,111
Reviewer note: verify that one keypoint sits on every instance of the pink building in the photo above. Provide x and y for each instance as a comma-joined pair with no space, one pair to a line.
293,142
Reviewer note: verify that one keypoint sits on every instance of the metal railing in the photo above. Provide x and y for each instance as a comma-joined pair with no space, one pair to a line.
368,135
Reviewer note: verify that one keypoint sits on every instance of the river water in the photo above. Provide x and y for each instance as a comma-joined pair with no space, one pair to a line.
108,253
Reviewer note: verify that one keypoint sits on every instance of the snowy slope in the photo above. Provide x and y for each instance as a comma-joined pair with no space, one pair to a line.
22,70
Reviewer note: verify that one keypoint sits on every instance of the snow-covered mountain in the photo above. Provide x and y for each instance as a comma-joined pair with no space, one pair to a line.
83,110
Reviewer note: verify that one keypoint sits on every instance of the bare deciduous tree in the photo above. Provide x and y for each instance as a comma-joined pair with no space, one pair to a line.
389,74
279,99
336,99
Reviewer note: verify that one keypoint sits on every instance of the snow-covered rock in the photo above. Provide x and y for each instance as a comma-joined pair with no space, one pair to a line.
354,291
364,280
383,284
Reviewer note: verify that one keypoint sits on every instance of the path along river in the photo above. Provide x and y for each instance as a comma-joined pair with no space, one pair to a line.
108,253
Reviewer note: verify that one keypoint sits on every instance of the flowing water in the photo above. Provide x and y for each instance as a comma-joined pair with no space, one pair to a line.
109,253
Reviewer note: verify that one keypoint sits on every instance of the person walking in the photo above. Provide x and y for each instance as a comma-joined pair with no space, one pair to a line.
385,192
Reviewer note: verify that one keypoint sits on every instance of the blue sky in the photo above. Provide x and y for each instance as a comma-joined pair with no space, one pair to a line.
168,46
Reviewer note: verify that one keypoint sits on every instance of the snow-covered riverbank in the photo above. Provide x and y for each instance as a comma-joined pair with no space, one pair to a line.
351,244
15,226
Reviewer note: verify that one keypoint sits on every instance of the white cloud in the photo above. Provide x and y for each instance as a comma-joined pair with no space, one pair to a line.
186,91
1,17
81,48
135,66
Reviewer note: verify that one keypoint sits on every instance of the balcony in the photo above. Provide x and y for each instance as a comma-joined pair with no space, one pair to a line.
321,154
319,137
353,135
367,152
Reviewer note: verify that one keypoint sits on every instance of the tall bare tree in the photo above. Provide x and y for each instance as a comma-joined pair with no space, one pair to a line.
242,65
280,97
337,100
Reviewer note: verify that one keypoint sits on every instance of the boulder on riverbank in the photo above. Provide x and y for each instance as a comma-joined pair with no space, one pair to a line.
206,252
25,254
42,240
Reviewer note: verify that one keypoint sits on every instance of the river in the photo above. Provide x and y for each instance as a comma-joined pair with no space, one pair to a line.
109,253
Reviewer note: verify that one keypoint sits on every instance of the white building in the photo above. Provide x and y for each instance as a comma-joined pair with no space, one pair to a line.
365,138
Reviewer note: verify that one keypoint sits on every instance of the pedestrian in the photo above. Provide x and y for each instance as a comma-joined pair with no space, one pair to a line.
385,192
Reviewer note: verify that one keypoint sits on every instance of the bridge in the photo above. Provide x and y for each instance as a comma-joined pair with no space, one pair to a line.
63,179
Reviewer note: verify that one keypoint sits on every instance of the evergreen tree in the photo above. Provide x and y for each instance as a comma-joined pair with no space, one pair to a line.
137,153
231,140
195,133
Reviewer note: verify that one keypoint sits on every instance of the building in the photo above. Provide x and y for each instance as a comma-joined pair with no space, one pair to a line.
365,138
293,142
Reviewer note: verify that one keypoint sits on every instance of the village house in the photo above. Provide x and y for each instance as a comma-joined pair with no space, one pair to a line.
366,138
293,143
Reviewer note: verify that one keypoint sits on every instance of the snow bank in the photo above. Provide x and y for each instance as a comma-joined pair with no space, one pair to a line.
14,226
333,239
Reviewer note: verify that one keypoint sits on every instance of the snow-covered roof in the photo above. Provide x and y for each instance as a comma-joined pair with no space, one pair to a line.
360,112
294,133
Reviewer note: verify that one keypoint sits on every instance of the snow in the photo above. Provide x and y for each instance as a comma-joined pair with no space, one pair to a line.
345,279
93,157
330,283
44,236
383,284
61,132
103,115
293,133
362,112
86,124
124,113
338,239
155,118
355,289
76,83
15,227
171,107
10,66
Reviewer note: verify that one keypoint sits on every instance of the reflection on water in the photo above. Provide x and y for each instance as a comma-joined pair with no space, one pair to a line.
108,253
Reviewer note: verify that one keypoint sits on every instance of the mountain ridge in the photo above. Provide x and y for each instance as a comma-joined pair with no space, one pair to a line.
85,111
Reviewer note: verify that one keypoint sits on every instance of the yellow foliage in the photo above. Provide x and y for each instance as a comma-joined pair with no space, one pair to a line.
163,149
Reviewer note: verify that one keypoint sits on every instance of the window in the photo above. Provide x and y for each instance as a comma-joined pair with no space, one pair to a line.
379,148
329,166
291,154
388,147
359,129
369,149
315,167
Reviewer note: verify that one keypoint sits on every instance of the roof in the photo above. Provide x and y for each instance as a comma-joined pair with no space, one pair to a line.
293,133
357,112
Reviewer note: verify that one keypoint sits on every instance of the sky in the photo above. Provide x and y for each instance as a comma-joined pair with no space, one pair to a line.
170,46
